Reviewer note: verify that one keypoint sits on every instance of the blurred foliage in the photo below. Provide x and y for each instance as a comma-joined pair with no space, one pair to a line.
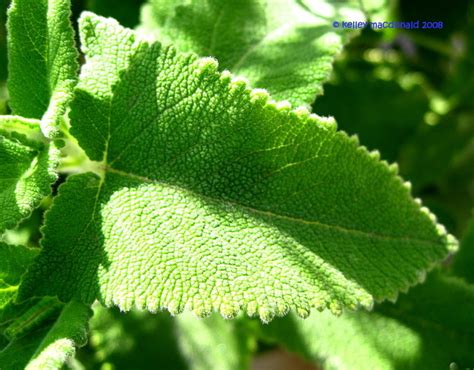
400,109
28,231
3,57
428,328
127,12
140,340
137,340
3,41
409,94
464,260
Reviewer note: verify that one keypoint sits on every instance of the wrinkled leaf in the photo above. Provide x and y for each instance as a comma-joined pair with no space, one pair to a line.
213,197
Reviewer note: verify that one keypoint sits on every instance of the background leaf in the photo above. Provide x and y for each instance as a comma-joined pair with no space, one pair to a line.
42,60
214,342
125,11
14,259
284,46
464,260
52,344
27,169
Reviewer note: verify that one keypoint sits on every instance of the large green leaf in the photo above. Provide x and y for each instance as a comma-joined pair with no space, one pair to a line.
430,328
285,46
214,197
51,344
42,60
27,168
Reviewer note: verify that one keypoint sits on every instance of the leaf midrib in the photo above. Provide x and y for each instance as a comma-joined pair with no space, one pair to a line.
270,214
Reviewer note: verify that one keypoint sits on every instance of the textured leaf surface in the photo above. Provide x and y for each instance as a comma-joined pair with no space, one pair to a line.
42,60
429,328
214,343
213,197
49,346
14,260
27,169
285,46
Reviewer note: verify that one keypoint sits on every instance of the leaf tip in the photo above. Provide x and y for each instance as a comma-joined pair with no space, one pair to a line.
302,312
266,314
375,154
393,168
284,106
226,77
301,112
86,17
207,65
431,216
239,83
201,312
260,96
453,244
408,186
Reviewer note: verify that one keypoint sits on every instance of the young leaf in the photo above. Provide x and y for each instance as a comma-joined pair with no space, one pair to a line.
285,46
42,60
213,197
27,169
429,328
50,346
